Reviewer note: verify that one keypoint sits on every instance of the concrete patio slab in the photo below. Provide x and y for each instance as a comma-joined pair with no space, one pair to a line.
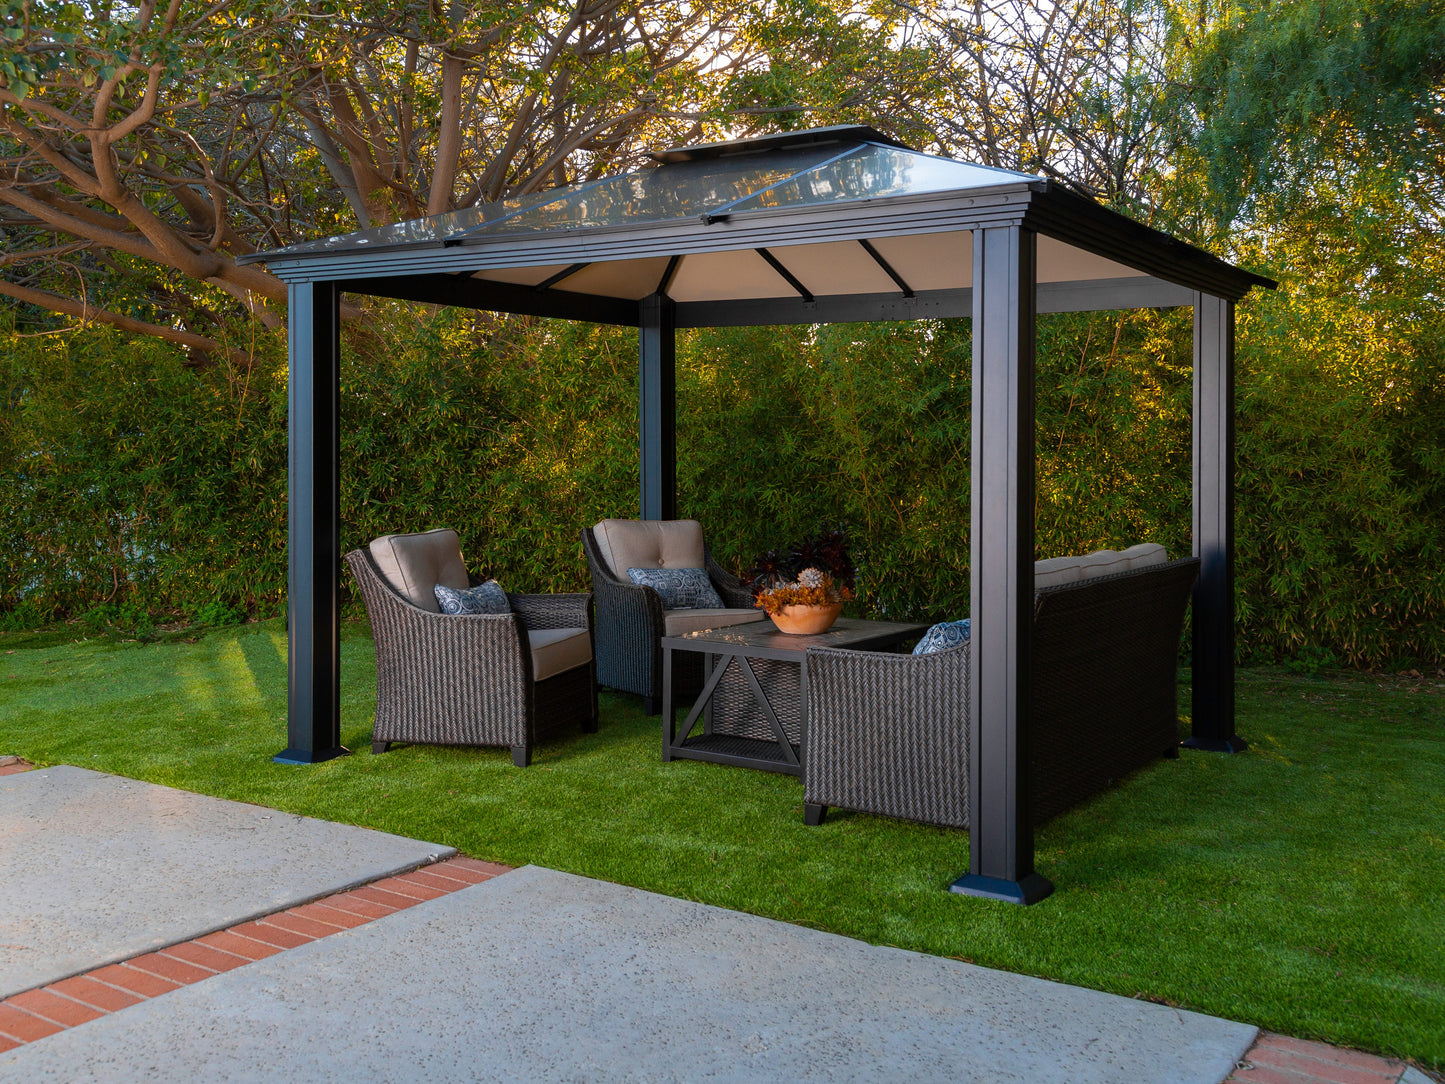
538,975
100,869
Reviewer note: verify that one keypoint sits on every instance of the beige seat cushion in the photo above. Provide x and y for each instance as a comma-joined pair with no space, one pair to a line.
677,622
415,563
555,651
649,543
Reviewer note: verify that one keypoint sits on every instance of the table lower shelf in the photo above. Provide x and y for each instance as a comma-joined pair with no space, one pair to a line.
766,756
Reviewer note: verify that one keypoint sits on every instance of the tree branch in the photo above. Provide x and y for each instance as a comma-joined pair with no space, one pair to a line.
88,313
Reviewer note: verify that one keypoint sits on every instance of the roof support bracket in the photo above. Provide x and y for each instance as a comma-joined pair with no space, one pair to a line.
566,272
887,268
667,275
788,277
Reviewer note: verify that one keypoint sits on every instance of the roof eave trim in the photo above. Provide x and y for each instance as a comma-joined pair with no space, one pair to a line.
594,243
1079,221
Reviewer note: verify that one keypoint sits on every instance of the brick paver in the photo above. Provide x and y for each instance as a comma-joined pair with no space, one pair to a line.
1278,1059
170,968
300,924
133,980
35,1014
353,904
231,941
331,916
405,886
11,765
94,993
24,1027
56,1008
273,935
212,959
386,899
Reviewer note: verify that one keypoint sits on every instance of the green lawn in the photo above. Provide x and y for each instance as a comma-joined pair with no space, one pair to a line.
1300,887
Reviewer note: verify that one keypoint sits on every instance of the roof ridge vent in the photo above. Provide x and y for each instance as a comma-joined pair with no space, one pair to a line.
808,137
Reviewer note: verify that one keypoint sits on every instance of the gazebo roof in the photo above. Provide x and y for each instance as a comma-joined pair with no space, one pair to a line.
826,224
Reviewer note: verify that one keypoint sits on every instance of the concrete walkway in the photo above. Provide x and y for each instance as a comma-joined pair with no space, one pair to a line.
453,973
98,869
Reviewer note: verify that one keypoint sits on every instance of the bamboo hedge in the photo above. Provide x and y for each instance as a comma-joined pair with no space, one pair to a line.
136,490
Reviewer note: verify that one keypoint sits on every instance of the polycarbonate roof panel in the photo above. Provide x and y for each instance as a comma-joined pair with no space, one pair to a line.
421,230
672,191
874,171
678,190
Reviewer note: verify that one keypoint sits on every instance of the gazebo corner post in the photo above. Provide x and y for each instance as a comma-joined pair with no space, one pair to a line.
1213,604
1001,592
657,407
313,631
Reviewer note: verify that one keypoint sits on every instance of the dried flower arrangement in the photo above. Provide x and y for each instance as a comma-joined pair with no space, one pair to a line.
813,587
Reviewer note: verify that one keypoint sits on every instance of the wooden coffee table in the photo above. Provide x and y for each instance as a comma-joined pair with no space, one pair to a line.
754,699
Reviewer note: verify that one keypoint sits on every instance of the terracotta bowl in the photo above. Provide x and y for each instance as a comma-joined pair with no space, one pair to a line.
807,620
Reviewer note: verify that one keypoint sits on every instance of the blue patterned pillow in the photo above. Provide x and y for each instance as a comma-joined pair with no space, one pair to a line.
486,598
942,636
680,588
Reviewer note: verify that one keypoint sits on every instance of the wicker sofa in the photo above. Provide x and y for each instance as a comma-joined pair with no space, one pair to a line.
888,734
511,680
631,619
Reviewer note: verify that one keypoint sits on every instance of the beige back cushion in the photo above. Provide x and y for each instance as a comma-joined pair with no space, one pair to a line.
415,563
1058,570
1145,554
649,543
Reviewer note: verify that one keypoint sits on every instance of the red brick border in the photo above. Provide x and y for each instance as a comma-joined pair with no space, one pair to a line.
45,1010
1278,1059
14,765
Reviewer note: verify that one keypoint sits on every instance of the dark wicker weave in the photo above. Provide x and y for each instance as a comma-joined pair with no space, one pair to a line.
736,712
888,734
630,630
446,679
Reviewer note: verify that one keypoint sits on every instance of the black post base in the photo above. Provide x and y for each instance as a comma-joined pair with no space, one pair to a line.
310,756
1235,744
1031,889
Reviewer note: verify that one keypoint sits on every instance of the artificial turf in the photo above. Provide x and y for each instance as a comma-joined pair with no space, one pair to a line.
1299,886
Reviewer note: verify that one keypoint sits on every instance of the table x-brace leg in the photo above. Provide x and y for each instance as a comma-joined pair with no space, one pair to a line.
767,707
680,735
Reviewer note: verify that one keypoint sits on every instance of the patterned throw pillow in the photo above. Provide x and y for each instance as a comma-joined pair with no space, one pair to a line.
942,636
485,598
680,588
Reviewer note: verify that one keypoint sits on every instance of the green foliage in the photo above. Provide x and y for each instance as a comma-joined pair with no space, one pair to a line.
136,483
1289,94
134,490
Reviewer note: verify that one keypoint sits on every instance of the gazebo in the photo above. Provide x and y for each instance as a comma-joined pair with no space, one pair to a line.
829,224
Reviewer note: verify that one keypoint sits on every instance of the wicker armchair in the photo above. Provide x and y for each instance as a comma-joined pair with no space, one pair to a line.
470,679
631,620
888,734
